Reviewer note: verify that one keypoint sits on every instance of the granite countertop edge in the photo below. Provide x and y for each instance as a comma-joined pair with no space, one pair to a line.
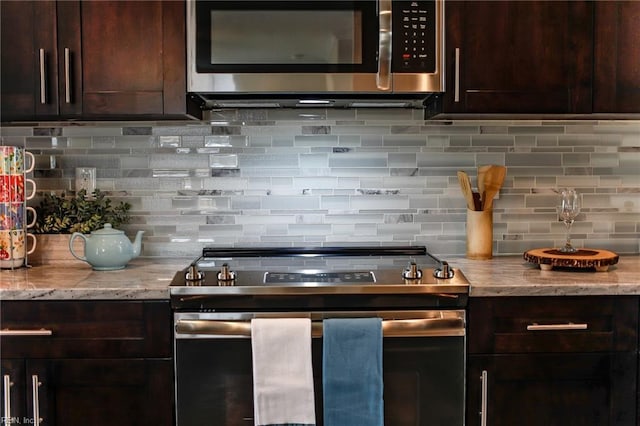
149,279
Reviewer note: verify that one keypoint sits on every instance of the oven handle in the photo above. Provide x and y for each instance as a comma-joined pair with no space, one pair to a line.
423,327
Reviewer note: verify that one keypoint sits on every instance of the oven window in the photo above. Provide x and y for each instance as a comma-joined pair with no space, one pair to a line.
292,36
423,381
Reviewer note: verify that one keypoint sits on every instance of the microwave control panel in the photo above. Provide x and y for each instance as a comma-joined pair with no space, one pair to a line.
414,36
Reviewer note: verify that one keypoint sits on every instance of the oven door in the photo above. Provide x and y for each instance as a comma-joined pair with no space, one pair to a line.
423,363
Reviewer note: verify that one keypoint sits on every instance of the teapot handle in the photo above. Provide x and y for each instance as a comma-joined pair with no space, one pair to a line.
73,236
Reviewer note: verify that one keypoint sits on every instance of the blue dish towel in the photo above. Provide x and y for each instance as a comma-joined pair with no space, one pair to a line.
352,372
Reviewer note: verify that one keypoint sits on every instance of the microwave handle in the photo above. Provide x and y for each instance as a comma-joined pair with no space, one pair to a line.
383,77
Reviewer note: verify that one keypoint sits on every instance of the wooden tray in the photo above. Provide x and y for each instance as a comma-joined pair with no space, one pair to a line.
548,258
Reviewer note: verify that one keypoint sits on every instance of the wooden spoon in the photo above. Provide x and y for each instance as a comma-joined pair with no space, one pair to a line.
493,180
465,185
482,170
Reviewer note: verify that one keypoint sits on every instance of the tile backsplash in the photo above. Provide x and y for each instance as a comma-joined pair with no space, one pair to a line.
328,177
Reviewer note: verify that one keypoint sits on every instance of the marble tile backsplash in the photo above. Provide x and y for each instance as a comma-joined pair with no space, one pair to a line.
323,177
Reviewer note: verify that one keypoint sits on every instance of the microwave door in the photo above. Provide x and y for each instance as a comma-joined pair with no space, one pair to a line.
289,47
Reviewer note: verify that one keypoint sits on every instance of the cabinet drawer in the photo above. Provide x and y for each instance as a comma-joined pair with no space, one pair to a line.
552,324
88,329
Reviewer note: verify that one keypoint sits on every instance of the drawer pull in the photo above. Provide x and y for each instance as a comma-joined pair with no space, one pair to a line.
556,327
67,75
456,81
41,332
43,77
6,384
35,384
484,402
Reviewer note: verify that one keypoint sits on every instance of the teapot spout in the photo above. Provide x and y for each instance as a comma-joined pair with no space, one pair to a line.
137,244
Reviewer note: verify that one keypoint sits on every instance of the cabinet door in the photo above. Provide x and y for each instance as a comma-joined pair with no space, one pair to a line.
553,389
617,57
29,59
519,56
102,392
132,56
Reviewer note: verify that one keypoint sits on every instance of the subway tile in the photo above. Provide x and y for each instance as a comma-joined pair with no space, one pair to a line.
223,161
47,131
169,141
185,130
536,130
387,114
404,140
532,159
437,159
576,159
492,141
98,131
315,141
146,130
358,160
7,131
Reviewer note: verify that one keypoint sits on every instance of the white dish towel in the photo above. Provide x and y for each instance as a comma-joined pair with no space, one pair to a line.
282,372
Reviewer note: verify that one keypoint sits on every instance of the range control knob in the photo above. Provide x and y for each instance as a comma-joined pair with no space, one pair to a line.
194,276
226,276
412,272
444,272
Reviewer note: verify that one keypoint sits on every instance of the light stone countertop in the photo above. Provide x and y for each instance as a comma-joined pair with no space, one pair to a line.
141,279
513,276
149,278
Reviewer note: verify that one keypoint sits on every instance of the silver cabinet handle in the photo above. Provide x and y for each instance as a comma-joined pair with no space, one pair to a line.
67,75
6,385
35,384
556,327
484,379
383,77
41,332
456,87
43,77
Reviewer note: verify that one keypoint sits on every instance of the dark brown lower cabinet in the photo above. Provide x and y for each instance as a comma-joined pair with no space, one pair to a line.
553,389
103,363
89,392
553,361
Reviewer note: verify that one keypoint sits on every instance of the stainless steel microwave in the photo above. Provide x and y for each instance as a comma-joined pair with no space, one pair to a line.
314,52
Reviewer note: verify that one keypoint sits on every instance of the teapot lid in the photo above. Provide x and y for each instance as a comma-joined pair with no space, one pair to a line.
107,230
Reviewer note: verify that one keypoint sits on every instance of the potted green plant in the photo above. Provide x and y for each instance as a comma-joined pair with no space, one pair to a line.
58,216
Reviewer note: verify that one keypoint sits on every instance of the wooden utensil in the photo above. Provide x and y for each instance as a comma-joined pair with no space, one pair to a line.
482,170
493,180
465,185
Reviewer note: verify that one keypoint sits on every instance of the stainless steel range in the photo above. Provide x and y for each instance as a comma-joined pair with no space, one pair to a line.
420,299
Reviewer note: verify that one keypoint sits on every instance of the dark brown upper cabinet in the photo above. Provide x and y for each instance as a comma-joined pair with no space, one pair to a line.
519,56
617,57
91,59
29,61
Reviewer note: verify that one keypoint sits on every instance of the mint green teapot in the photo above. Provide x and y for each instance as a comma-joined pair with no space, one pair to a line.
107,249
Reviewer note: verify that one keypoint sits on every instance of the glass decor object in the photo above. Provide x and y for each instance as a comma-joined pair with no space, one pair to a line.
568,209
